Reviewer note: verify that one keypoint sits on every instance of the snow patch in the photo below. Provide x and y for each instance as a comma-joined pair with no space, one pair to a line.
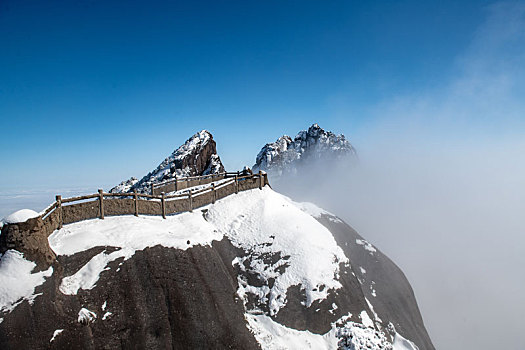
367,321
272,335
17,281
21,216
136,233
85,316
55,334
88,275
371,249
345,335
106,315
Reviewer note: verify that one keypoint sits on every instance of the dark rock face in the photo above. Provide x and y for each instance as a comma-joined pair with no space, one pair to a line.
286,154
197,156
187,299
29,237
161,298
382,282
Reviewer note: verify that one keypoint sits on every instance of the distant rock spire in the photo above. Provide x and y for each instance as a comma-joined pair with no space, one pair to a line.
197,156
285,154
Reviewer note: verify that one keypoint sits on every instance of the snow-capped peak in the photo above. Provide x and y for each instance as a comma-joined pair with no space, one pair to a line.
197,156
284,154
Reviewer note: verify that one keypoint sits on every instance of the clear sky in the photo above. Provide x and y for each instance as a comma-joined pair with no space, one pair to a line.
92,92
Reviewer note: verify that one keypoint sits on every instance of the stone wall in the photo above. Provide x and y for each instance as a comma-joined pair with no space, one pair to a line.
183,184
177,205
30,237
80,211
119,206
149,207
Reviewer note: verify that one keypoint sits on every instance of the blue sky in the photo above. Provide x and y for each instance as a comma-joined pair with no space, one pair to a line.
92,92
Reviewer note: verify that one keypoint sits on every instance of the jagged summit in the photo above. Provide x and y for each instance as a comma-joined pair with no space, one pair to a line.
197,156
285,154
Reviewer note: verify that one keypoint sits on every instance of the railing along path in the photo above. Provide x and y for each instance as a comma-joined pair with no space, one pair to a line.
101,204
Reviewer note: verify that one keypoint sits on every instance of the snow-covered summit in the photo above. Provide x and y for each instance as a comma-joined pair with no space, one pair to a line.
197,156
252,270
286,153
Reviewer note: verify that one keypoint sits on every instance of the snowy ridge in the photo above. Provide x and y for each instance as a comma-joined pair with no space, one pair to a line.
286,153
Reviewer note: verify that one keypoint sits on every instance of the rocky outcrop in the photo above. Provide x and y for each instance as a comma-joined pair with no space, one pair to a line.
125,186
197,156
172,298
30,238
286,154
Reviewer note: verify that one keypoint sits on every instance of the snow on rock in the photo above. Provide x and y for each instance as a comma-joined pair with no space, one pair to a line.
20,216
88,275
125,186
401,343
284,154
367,321
368,246
197,156
85,316
272,335
344,335
136,233
106,315
55,334
17,282
129,233
261,222
264,223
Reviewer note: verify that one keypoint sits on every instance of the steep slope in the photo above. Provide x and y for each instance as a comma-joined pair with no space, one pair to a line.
253,270
197,156
286,154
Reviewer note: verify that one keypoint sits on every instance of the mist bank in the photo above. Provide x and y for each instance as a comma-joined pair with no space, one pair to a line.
450,214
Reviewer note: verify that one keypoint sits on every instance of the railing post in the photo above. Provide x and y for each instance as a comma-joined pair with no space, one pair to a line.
214,197
101,203
59,208
260,180
163,205
136,202
237,183
152,188
191,201
176,187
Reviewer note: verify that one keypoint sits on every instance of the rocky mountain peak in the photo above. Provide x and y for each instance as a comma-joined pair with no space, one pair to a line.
285,154
197,156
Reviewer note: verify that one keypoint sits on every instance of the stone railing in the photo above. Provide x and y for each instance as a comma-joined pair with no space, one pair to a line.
180,183
101,204
30,237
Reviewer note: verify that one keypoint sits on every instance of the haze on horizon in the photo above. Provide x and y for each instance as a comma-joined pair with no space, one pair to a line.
430,95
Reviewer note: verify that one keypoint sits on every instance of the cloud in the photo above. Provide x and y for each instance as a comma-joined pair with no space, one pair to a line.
440,188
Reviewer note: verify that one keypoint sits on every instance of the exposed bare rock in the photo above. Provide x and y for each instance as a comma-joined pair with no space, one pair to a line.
30,238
